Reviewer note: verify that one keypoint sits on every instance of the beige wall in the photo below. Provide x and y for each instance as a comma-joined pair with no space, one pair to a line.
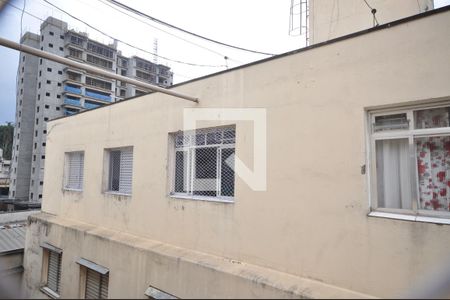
312,221
330,19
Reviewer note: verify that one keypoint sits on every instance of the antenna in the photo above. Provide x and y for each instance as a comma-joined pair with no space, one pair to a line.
155,51
299,19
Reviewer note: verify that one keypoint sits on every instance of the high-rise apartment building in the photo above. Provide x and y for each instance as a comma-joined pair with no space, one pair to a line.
47,90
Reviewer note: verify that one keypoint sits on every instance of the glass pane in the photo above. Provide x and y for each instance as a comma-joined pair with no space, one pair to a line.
205,179
393,174
432,118
114,169
391,122
227,173
181,172
433,164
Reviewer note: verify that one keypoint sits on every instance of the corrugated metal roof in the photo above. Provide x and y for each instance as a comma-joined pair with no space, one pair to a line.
12,239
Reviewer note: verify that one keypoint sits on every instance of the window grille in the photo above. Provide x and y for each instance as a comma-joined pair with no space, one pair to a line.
74,170
120,170
96,285
204,163
54,271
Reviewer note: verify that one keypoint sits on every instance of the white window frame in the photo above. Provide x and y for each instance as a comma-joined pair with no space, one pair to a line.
191,166
47,250
67,171
414,214
107,171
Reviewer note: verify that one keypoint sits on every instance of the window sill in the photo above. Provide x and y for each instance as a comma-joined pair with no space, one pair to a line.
411,218
49,292
117,194
73,190
201,198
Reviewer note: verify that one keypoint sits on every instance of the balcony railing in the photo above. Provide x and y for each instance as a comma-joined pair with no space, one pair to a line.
72,90
98,96
90,105
69,113
72,102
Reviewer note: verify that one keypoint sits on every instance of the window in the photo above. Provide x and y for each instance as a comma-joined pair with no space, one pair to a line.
96,280
411,158
45,119
58,96
61,49
39,85
47,94
74,168
40,73
98,83
50,45
49,82
120,170
51,33
39,97
60,72
99,61
100,49
46,107
61,37
203,163
51,269
75,53
49,69
40,61
59,83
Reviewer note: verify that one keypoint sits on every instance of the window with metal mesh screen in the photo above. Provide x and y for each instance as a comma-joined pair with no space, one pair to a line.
54,271
74,170
120,170
204,163
96,285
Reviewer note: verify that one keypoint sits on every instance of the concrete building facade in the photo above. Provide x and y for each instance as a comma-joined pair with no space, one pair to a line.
5,169
48,90
325,226
332,19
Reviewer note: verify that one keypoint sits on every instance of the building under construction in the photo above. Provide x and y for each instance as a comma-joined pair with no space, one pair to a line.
48,90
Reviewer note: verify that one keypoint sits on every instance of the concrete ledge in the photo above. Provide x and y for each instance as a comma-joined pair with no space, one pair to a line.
19,216
259,280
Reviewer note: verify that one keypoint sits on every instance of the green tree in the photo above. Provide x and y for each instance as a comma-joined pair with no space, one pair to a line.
6,139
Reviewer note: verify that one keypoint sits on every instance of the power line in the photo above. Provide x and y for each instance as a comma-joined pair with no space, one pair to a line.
373,11
132,46
18,8
148,24
126,7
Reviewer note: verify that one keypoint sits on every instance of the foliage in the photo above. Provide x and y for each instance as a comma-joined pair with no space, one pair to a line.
6,139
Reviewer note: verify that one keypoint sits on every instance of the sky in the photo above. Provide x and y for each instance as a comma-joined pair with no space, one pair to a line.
253,24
